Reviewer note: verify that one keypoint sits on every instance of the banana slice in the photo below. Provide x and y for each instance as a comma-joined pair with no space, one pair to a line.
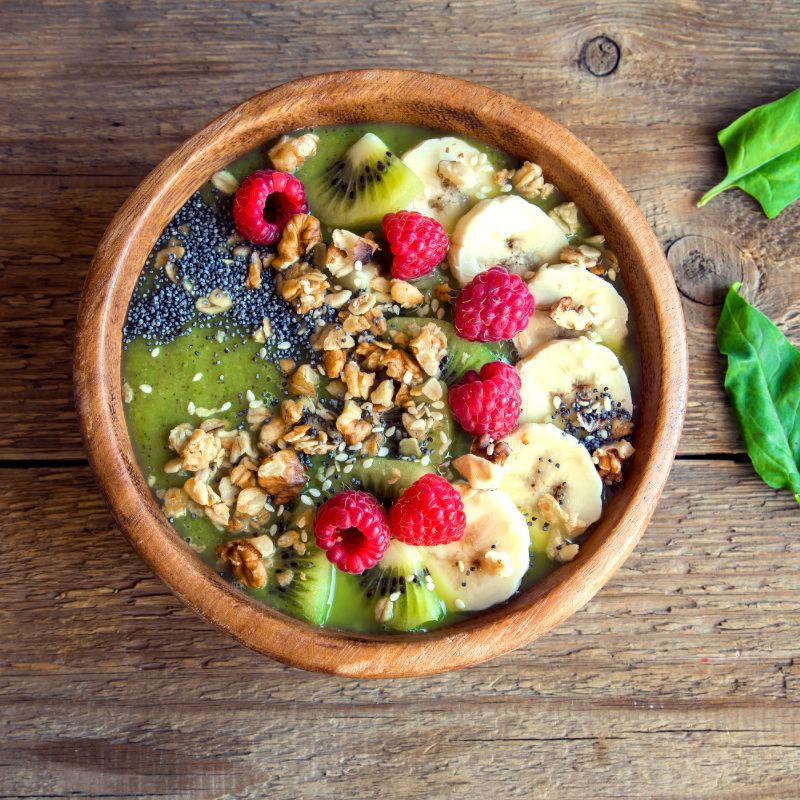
506,230
545,460
603,309
454,175
488,563
554,371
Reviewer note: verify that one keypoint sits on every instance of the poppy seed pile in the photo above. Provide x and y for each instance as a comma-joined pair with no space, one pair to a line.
160,309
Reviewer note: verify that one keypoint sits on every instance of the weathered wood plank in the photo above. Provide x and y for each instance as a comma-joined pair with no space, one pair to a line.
678,680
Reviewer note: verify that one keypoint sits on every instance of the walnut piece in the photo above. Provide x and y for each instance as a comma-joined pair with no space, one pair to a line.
553,513
201,450
494,452
304,381
530,183
358,383
457,174
560,549
478,472
609,459
299,235
289,153
250,501
400,366
303,287
282,476
571,317
383,395
566,217
333,337
351,426
405,294
253,279
584,256
620,428
333,362
430,348
246,562
174,503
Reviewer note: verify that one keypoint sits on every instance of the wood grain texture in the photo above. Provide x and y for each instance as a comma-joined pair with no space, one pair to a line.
678,680
111,688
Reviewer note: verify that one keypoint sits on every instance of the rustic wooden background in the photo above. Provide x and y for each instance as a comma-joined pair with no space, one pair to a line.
678,681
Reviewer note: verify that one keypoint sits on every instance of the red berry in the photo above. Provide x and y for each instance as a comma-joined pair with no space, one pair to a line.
488,403
429,512
265,202
493,306
353,530
418,243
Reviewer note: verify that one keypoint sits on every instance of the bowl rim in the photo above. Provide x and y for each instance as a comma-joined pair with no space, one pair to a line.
435,101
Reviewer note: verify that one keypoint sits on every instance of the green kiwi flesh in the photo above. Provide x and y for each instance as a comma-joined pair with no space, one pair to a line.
399,583
367,182
309,594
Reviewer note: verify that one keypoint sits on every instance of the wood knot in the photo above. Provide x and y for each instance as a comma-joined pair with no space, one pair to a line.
600,56
704,268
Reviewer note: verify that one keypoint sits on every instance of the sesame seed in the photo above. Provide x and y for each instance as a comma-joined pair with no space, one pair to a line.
146,388
314,492
306,500
198,376
348,468
460,604
155,351
368,463
383,452
191,408
225,406
284,346
250,396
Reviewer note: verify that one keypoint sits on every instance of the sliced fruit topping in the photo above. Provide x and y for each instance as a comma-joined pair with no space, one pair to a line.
571,300
265,202
462,355
488,563
546,461
429,512
301,585
493,306
455,174
352,529
504,230
555,374
400,591
418,243
488,403
357,190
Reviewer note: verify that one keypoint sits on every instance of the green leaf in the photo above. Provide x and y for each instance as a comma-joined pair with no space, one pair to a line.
763,383
762,149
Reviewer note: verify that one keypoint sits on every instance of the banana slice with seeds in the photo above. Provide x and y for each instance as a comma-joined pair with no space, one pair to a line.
508,231
555,371
546,461
605,312
487,564
455,175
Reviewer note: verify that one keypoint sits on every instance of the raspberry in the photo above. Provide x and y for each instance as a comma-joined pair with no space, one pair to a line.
488,403
265,202
353,530
418,243
429,512
493,306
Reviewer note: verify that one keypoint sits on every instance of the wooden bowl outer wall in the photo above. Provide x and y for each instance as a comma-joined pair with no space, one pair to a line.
433,101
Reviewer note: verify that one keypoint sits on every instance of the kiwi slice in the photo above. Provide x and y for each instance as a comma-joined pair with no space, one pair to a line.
462,355
356,190
376,478
309,593
396,590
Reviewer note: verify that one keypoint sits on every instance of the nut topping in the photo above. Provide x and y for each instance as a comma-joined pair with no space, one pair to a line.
289,153
299,236
246,562
282,476
609,460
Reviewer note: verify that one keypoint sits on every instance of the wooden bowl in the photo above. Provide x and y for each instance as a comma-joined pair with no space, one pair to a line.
438,102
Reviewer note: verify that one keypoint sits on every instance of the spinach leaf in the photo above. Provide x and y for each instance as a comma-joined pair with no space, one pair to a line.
763,383
762,149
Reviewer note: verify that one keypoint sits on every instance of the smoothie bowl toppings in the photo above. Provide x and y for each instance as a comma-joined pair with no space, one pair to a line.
381,377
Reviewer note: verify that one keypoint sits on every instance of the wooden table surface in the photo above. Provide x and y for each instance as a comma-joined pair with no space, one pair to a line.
679,680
